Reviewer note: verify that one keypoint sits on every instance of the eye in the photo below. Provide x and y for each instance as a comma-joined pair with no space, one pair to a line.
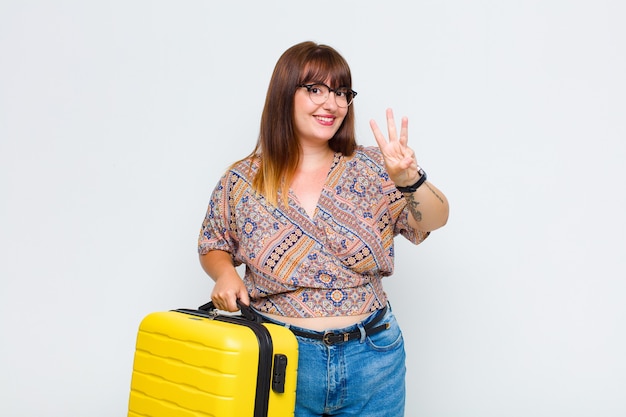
342,92
319,90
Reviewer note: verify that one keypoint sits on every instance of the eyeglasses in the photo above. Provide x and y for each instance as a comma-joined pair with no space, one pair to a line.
318,93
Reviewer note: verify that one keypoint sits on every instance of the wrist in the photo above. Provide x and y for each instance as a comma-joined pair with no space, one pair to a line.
413,187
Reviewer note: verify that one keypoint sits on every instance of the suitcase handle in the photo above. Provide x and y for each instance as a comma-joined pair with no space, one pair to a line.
246,311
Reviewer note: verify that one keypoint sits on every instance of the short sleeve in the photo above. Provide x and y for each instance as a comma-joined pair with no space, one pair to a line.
215,232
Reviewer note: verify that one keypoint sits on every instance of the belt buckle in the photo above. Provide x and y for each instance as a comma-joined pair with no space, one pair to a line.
338,337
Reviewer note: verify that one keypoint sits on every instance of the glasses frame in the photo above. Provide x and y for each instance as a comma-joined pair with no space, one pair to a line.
330,90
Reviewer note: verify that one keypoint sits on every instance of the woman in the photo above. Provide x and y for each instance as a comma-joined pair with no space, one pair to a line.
313,216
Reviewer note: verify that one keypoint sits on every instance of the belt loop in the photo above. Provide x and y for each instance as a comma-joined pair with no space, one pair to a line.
362,330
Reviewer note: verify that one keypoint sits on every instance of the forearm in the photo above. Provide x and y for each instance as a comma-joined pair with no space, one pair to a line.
428,208
218,263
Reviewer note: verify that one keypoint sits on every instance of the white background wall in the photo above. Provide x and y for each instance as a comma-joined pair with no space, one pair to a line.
117,118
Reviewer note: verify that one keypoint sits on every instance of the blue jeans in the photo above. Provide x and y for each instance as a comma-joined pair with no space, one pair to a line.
364,378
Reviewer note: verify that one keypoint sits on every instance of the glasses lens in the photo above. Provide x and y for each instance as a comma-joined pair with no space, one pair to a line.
318,93
343,96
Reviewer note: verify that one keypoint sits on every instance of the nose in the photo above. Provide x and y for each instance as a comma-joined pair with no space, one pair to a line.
331,101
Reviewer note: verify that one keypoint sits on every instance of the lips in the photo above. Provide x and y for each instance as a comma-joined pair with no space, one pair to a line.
326,120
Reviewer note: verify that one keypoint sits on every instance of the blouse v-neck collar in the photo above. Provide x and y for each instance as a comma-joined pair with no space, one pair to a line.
294,202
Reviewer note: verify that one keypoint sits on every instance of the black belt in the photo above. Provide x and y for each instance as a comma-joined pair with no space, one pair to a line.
331,338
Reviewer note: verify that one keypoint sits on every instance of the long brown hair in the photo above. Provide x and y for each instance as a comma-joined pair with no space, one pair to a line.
277,148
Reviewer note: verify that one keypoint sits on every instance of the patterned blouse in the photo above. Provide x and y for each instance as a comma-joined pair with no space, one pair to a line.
328,265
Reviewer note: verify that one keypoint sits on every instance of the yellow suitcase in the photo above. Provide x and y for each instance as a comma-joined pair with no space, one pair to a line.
200,363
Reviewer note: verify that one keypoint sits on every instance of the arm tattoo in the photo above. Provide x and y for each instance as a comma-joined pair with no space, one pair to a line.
433,191
412,204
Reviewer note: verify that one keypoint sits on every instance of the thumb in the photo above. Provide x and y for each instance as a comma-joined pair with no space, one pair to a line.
243,297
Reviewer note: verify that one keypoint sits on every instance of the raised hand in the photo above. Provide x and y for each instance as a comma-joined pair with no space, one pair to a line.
399,159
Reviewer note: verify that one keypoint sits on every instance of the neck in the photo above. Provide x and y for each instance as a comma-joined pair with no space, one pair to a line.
313,157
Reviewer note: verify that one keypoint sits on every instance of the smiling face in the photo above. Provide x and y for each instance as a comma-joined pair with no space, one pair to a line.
316,123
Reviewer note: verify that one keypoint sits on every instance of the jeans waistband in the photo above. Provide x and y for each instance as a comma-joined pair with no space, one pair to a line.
335,336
